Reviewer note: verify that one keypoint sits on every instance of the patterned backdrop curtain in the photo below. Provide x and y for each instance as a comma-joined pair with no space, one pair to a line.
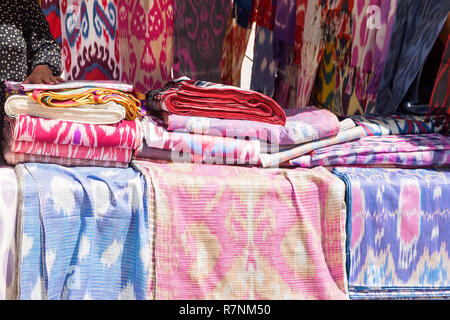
90,42
145,33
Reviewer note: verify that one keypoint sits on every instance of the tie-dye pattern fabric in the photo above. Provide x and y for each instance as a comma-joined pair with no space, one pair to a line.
302,125
233,52
284,27
226,232
397,232
52,12
145,42
264,64
85,233
89,39
199,35
201,148
397,124
275,159
312,49
417,25
8,212
125,134
420,150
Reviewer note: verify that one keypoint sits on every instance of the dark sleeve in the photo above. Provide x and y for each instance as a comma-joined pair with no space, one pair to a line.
41,46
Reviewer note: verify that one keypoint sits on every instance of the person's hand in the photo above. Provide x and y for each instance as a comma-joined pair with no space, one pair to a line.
43,74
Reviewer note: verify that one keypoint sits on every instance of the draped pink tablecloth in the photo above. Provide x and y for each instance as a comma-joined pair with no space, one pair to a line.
224,232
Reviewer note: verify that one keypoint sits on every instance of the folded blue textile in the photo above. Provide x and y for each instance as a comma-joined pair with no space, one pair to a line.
85,233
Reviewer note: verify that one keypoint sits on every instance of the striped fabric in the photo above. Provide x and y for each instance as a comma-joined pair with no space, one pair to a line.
85,233
397,233
224,232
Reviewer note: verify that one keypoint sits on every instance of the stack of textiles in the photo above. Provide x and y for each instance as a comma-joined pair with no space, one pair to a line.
398,141
203,122
81,123
227,232
397,232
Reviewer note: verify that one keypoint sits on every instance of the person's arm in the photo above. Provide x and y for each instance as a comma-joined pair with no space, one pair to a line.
44,55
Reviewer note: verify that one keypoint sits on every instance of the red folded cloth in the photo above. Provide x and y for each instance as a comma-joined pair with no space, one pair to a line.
205,99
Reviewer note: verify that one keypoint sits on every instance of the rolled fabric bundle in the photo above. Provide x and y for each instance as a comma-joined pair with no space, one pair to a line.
87,96
206,99
107,113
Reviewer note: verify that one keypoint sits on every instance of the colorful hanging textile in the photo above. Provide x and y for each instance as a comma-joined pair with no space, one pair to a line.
265,14
88,96
397,233
264,66
8,213
201,148
417,25
205,99
397,124
387,13
325,85
107,113
85,233
199,35
302,125
242,10
284,28
417,150
225,232
52,12
440,100
275,159
312,48
145,42
233,52
125,134
89,46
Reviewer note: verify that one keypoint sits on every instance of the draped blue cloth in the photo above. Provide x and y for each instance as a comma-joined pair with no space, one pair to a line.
85,233
416,28
398,232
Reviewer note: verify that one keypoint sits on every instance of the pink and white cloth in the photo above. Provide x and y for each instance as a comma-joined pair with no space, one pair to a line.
302,125
227,232
201,148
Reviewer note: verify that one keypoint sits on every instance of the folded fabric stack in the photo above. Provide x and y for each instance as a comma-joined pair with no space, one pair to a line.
203,122
79,123
397,141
